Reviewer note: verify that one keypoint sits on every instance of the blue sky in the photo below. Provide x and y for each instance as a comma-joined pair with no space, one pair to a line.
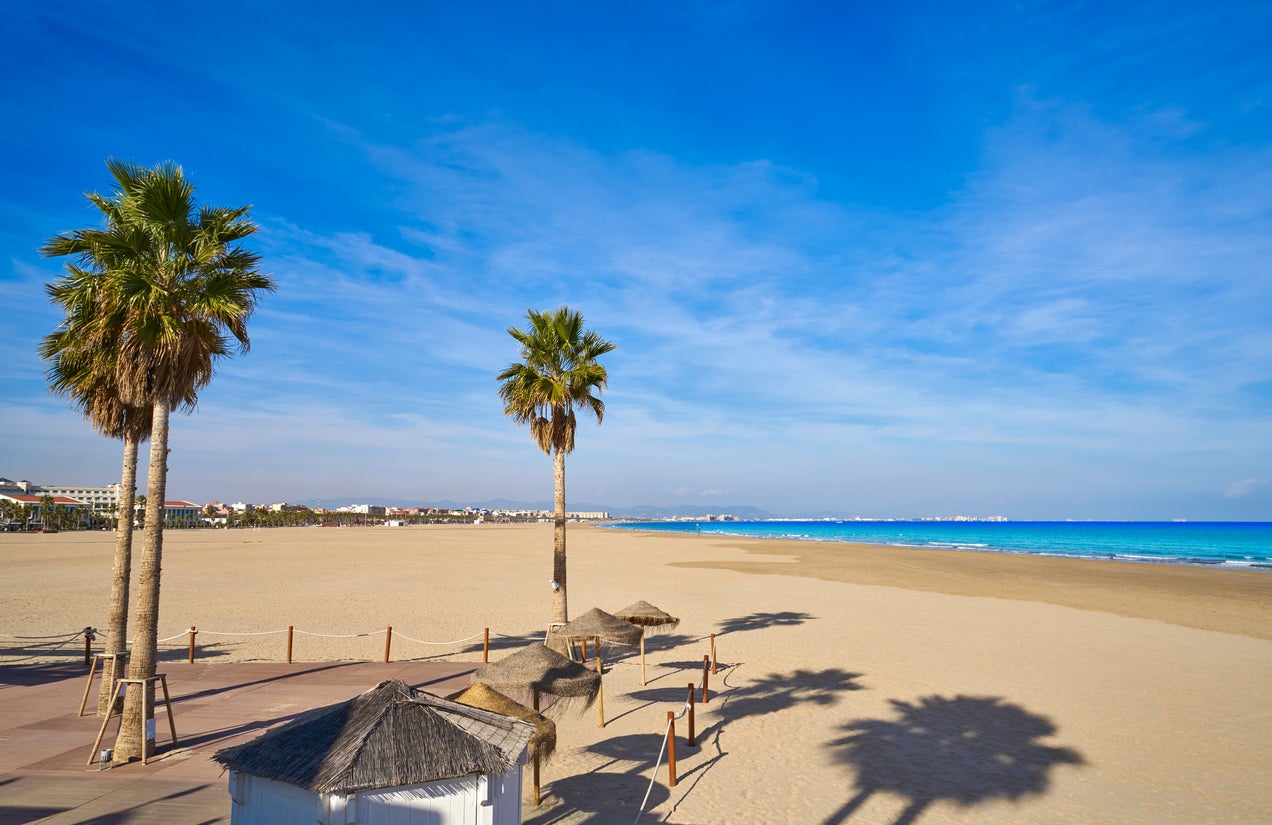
859,259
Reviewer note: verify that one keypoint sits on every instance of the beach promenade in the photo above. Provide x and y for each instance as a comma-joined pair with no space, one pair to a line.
43,775
856,685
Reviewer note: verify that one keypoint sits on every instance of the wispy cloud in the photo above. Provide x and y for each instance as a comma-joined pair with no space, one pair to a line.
1245,487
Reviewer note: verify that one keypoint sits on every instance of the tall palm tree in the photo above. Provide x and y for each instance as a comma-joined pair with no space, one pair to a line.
84,370
557,374
173,289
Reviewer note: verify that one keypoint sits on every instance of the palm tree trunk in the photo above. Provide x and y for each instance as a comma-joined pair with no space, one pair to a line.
560,611
117,630
140,704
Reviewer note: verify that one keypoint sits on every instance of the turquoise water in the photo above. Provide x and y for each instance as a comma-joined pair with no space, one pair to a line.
1230,544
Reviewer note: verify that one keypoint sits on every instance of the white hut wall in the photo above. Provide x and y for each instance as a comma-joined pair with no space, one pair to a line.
470,800
446,802
260,801
504,793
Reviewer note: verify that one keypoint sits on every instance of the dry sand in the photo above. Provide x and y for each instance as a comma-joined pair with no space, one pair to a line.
857,684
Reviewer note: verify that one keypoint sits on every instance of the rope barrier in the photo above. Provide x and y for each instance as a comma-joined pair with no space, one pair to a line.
185,633
58,636
241,632
45,652
397,635
653,777
340,635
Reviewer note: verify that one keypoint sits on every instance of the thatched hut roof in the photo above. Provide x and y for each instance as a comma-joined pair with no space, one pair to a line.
537,668
598,624
480,695
646,615
390,736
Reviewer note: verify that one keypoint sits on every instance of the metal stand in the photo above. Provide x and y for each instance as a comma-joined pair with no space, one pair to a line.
162,679
98,658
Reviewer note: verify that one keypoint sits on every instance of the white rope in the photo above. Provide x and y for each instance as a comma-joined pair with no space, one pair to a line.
58,636
654,776
170,638
340,635
50,650
397,635
240,633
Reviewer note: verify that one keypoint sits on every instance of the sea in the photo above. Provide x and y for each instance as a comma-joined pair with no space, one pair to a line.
1223,544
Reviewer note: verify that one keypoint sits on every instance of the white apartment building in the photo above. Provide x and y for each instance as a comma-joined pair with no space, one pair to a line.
104,500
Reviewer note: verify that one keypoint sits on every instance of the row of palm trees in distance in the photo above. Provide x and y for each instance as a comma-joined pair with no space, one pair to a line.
153,299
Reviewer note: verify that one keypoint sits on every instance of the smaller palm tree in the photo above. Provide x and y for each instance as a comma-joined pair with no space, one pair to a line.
557,374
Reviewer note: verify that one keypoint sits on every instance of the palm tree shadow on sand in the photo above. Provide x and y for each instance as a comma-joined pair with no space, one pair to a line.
967,750
758,621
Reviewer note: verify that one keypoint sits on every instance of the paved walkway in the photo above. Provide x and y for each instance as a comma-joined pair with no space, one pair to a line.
44,745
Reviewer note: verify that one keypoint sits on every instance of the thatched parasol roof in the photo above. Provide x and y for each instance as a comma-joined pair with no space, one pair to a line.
392,735
479,695
537,668
646,615
596,623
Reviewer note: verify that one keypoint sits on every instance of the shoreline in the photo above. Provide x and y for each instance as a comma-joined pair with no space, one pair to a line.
1206,597
984,543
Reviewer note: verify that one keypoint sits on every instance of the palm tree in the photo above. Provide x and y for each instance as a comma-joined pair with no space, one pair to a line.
84,369
174,287
557,374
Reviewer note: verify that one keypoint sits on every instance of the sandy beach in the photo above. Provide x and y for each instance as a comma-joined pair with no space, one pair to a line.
857,684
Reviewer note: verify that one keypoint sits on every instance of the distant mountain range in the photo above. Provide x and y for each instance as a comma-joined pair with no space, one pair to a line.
641,511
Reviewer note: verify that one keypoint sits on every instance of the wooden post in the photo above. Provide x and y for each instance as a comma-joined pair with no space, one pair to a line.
193,632
584,658
290,629
671,749
167,703
642,656
92,669
535,694
485,648
713,655
600,686
692,743
706,668
89,635
388,640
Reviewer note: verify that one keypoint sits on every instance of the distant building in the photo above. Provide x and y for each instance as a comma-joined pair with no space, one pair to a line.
365,509
33,504
284,507
102,501
182,513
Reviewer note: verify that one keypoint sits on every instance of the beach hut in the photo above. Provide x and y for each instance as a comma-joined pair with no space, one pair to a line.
392,756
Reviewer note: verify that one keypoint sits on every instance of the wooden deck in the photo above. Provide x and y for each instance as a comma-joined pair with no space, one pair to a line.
44,745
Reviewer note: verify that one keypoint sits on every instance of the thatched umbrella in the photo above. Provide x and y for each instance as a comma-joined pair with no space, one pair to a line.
599,625
539,670
360,744
645,615
483,696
